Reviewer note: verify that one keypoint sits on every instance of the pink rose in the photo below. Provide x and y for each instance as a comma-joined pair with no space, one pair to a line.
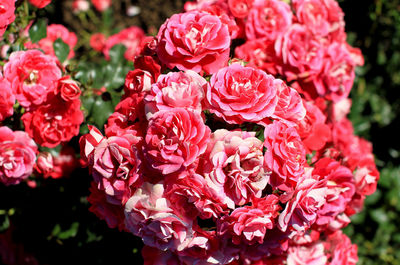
53,123
40,3
190,195
54,32
112,213
17,156
268,19
68,89
131,38
235,166
302,208
177,90
305,255
320,17
290,107
249,224
194,41
340,189
149,216
340,250
285,155
242,94
7,99
336,77
175,139
61,165
7,9
101,5
32,76
301,52
115,166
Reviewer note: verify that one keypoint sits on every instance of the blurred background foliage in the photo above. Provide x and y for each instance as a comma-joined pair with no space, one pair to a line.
374,27
68,232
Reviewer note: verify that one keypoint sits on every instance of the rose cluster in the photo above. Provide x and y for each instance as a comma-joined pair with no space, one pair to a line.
51,115
212,161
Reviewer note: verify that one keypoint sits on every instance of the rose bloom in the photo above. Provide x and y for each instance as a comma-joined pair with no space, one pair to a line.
268,19
80,6
175,139
235,166
138,81
240,8
53,123
17,156
290,108
54,32
321,17
40,3
242,94
101,5
115,166
285,155
249,224
58,166
191,196
302,208
312,129
32,76
97,41
340,250
149,216
194,41
7,9
340,188
112,213
310,254
335,79
176,89
259,53
301,52
68,89
131,38
7,99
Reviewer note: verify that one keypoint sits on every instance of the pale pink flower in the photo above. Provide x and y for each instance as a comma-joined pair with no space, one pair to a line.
307,255
235,166
149,216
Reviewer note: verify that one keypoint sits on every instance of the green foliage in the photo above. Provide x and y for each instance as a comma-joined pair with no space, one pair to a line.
38,30
61,50
375,115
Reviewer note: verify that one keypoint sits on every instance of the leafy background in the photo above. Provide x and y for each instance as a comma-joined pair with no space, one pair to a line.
52,222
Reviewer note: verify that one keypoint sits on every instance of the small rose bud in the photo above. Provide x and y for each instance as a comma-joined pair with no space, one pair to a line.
68,89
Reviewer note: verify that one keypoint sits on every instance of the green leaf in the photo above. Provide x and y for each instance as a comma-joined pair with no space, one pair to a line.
117,53
61,49
71,232
38,31
101,110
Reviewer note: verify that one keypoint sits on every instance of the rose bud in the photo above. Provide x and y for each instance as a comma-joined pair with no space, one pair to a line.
68,88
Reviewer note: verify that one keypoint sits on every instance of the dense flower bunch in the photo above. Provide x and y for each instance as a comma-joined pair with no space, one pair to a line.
211,161
51,116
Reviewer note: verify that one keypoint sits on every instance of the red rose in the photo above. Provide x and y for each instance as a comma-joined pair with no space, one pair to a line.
68,89
54,123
